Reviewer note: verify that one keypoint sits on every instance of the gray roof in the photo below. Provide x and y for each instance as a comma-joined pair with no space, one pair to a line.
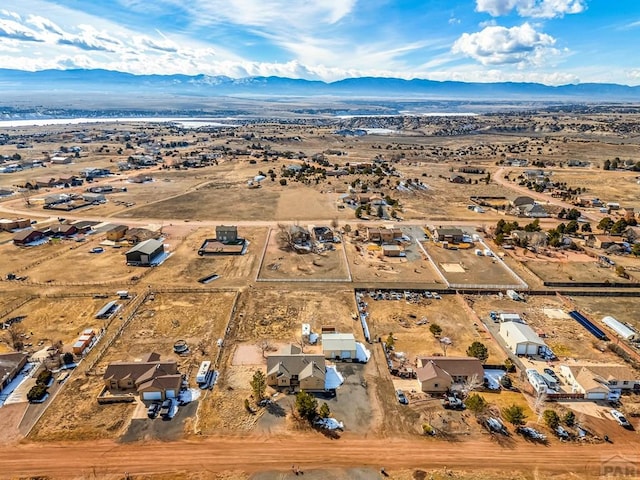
147,247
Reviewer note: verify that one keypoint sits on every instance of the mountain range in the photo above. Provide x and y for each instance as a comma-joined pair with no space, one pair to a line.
78,81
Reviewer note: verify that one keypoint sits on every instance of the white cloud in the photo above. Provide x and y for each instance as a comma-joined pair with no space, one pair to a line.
531,8
495,45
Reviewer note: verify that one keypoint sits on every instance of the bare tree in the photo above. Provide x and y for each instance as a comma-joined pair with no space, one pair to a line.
301,343
14,336
539,404
284,238
265,346
445,343
471,383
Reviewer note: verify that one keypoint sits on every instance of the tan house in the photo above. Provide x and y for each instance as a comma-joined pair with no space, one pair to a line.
7,224
383,235
603,241
293,369
600,381
440,374
152,378
117,233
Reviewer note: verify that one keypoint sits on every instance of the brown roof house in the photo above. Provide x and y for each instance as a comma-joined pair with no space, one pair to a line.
440,374
117,233
152,378
296,370
27,236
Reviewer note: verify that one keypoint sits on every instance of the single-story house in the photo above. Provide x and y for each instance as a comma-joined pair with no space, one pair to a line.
145,253
472,169
522,201
521,339
152,378
603,241
539,239
296,370
340,346
533,211
94,197
457,179
62,230
440,374
323,234
10,366
453,235
136,235
600,381
27,236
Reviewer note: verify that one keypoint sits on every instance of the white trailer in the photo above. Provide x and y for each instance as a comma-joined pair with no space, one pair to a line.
203,372
620,328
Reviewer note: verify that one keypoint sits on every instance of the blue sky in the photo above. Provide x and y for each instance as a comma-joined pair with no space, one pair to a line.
548,41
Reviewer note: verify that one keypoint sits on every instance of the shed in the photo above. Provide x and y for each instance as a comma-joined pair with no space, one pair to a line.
392,251
339,346
107,310
510,317
520,338
145,253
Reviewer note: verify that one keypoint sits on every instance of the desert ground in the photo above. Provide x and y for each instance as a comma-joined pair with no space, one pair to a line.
259,176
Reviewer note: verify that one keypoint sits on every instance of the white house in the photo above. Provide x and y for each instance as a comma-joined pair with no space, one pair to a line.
339,346
521,339
600,382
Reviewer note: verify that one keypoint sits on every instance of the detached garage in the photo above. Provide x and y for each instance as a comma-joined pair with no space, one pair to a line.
341,346
145,253
521,339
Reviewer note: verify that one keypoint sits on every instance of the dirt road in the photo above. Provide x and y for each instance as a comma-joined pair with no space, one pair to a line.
252,454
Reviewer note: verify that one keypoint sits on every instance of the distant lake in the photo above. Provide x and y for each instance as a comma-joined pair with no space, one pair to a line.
184,122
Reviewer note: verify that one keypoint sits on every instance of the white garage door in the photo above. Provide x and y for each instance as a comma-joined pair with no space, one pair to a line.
596,396
170,394
345,354
151,396
532,349
521,349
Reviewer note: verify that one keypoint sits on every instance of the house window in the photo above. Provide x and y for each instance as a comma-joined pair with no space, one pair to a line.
613,382
625,382
435,385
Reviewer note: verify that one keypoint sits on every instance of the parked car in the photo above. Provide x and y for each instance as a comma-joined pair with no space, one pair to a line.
561,433
165,409
552,374
620,418
153,410
402,398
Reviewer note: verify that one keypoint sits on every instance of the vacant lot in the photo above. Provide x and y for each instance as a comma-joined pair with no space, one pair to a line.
18,260
197,318
609,186
547,316
277,315
47,320
186,267
401,318
282,263
465,267
78,265
571,268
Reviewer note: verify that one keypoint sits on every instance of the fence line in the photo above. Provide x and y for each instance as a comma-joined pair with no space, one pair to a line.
16,306
135,305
